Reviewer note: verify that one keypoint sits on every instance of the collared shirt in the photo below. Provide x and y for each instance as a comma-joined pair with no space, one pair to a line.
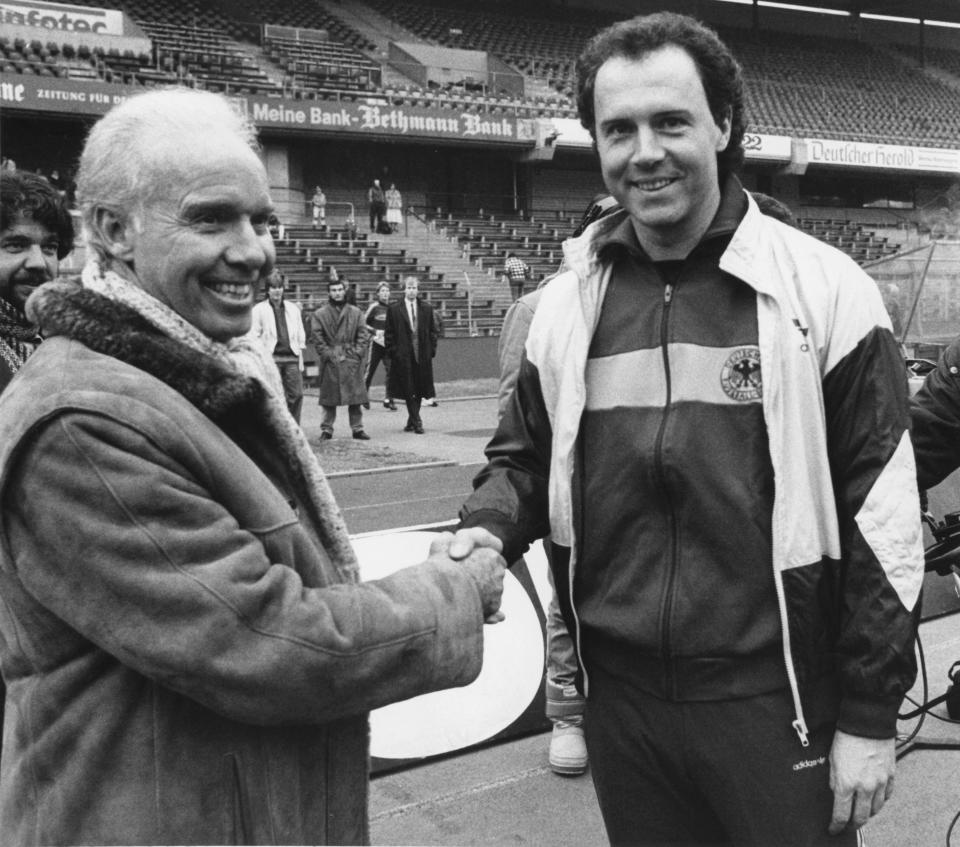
282,347
733,206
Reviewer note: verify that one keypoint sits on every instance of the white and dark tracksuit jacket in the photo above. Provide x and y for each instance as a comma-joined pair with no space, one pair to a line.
719,448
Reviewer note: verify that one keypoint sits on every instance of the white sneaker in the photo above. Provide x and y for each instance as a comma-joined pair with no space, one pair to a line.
568,750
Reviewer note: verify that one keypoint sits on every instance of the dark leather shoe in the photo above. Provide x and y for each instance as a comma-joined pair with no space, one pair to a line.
326,436
366,405
418,430
408,428
360,435
389,404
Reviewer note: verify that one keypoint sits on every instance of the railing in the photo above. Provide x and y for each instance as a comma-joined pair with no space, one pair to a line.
335,217
471,325
501,206
411,212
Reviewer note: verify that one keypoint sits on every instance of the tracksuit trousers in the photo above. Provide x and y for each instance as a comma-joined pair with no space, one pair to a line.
719,772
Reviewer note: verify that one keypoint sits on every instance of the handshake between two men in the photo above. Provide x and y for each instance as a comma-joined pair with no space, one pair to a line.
478,551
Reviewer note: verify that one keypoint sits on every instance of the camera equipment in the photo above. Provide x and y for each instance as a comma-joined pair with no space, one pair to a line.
953,692
941,557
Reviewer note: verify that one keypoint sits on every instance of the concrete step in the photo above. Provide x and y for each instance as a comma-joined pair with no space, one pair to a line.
419,248
435,247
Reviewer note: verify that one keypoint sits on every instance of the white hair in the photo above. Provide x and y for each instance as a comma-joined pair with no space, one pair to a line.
121,168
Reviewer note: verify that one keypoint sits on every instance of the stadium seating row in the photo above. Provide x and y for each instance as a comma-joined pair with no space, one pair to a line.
307,257
796,85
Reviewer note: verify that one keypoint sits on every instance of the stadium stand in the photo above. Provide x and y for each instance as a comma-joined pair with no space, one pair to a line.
486,239
247,16
537,239
306,257
322,68
852,238
936,57
797,85
836,88
206,57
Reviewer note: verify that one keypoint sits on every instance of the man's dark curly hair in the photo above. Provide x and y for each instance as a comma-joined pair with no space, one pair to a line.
23,193
635,38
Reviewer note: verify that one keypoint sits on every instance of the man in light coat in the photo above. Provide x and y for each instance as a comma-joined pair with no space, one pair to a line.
340,337
188,652
278,324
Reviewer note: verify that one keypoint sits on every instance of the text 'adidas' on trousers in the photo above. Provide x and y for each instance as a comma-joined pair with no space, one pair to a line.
717,772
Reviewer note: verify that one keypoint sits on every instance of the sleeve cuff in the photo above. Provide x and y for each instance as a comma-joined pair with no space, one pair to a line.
869,717
496,522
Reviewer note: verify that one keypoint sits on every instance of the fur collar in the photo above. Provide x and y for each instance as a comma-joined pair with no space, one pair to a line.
116,330
240,405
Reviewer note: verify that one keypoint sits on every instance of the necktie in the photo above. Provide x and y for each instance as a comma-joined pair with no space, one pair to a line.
413,317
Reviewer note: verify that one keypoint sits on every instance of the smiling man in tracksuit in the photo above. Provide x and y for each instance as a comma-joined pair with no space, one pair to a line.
710,420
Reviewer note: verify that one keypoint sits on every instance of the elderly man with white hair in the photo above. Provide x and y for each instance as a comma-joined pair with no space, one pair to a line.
189,655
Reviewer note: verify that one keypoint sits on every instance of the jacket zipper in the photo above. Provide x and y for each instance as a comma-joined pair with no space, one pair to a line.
667,598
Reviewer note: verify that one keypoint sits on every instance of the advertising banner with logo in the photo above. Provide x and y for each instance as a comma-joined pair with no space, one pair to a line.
773,148
61,18
48,94
66,96
857,154
383,119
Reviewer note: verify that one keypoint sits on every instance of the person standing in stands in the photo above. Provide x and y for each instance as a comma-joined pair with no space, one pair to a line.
349,290
278,324
189,654
319,204
376,202
375,319
410,338
340,338
394,202
742,590
517,273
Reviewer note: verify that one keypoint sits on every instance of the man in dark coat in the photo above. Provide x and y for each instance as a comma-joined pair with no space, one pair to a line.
340,337
378,205
411,343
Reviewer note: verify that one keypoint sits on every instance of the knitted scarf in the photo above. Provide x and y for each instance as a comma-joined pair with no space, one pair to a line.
18,337
236,385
